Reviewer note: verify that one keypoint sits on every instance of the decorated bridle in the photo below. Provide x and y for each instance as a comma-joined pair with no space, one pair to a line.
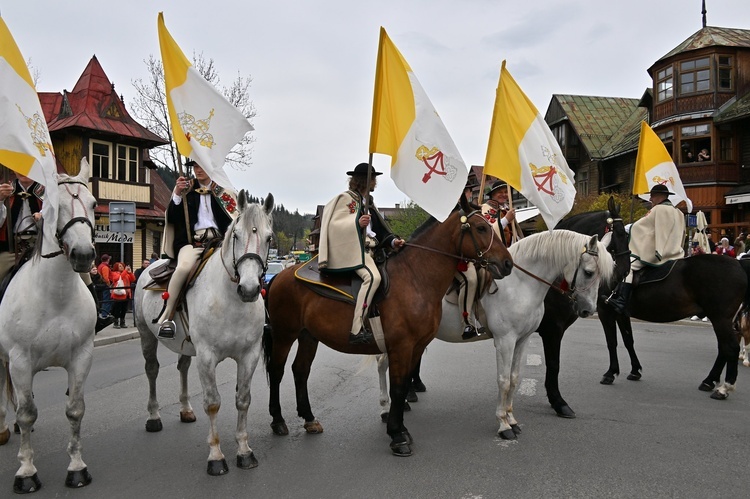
75,196
247,255
466,229
610,227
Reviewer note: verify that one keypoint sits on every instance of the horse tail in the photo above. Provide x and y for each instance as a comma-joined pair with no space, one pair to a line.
9,392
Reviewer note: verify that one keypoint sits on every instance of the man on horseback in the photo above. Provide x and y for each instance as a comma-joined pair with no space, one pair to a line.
496,211
349,234
654,239
210,210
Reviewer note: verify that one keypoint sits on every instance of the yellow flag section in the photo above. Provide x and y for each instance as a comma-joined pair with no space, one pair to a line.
654,166
523,152
425,163
25,145
205,125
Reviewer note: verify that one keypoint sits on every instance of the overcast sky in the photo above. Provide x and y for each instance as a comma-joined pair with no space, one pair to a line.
313,64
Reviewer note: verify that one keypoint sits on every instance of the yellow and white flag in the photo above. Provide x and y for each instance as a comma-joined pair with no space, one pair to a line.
523,152
425,163
654,166
205,125
25,145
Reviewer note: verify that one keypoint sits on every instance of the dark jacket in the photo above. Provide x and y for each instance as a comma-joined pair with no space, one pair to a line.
15,204
222,205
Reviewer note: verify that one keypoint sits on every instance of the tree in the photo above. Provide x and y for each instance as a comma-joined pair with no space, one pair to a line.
408,219
150,108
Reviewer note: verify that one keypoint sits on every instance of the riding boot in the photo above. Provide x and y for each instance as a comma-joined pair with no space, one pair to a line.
620,298
101,322
469,332
167,330
364,336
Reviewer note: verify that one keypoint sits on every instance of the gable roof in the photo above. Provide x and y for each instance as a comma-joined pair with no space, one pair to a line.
93,104
601,123
710,36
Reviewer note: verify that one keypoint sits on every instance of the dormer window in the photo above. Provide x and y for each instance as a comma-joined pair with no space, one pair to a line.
725,73
695,76
664,84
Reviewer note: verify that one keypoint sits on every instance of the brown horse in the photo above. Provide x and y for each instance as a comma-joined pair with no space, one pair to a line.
410,313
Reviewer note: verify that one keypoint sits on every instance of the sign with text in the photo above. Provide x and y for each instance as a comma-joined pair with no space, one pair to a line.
102,234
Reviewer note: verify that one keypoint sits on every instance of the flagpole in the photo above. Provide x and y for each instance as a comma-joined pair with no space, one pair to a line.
183,195
367,189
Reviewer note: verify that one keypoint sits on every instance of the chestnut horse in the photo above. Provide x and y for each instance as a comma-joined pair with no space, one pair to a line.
410,313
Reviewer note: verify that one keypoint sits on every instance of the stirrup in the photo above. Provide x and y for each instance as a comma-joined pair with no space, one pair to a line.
167,330
469,332
363,337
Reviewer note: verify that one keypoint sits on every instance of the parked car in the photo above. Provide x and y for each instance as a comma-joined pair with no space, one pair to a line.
274,267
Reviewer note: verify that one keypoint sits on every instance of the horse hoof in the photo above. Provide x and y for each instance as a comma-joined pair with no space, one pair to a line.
418,386
516,429
634,376
564,411
401,449
407,436
280,428
187,417
706,387
246,461
411,396
607,380
5,436
153,425
218,467
717,395
313,427
407,407
507,435
78,479
17,429
26,484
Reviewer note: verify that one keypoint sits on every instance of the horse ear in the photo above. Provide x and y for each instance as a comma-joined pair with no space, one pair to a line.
85,171
268,205
607,239
593,242
465,205
242,200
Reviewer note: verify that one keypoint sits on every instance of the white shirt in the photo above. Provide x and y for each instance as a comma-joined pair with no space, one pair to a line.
206,218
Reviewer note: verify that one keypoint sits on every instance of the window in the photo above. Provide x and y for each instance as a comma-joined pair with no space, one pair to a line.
725,73
559,133
582,183
101,157
664,84
667,138
695,138
695,76
726,148
127,163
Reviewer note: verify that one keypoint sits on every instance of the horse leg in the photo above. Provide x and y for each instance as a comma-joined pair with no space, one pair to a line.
626,331
729,349
608,320
551,340
245,369
514,377
385,401
26,479
400,438
504,356
416,380
186,410
275,362
307,347
745,353
4,392
207,362
148,348
78,475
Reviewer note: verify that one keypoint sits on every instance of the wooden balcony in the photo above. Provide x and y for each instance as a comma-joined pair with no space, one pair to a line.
106,190
709,173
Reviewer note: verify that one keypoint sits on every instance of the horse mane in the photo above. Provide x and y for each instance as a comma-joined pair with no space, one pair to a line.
561,247
597,218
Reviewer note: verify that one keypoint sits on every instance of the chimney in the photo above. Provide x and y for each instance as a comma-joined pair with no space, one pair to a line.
397,206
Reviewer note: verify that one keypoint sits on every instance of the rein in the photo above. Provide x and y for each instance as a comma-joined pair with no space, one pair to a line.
248,255
465,226
569,292
84,219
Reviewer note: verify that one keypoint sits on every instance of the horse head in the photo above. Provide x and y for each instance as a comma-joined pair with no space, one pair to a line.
75,220
248,239
595,265
478,241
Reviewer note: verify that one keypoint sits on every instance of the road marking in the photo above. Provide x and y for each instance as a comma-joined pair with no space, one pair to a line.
528,387
533,359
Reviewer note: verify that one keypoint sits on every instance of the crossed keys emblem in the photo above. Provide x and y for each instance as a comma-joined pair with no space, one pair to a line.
37,126
663,181
544,176
435,161
197,129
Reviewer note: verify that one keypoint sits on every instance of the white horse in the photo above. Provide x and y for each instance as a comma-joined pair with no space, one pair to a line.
514,306
226,321
47,318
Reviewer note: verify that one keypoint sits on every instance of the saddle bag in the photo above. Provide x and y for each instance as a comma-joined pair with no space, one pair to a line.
161,273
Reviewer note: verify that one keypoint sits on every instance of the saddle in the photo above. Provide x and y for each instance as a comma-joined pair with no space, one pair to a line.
342,286
653,274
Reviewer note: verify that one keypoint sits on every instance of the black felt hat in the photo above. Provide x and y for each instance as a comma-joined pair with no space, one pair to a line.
361,169
498,184
660,189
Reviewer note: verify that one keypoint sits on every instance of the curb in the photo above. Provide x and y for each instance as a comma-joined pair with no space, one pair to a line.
109,340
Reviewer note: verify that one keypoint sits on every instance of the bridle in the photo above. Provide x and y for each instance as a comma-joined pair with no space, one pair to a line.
75,196
247,255
466,229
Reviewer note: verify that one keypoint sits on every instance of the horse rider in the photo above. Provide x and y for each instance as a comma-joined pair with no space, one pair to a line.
210,210
654,239
500,216
349,235
466,275
18,232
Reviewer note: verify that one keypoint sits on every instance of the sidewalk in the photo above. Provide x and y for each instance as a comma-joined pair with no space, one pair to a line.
110,335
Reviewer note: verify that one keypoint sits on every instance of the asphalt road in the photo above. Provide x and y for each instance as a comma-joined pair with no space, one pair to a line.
658,437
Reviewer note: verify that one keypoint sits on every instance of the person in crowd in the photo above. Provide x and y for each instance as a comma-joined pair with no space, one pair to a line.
210,210
654,239
121,293
139,270
349,236
724,248
704,155
104,272
739,244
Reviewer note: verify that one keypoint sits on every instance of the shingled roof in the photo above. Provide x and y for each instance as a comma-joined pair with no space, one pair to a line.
605,125
710,36
93,104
